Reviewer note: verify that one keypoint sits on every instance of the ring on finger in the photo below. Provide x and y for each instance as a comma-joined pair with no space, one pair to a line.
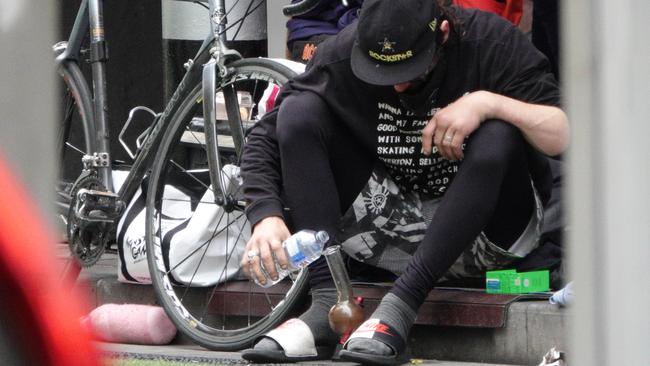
252,254
447,139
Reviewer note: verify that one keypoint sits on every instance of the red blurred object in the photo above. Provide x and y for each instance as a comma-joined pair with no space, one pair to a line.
39,313
509,9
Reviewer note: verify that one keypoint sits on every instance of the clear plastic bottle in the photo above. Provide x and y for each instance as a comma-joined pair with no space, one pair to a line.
301,249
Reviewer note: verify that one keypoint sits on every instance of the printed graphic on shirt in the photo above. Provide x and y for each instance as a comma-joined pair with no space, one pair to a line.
384,225
375,201
389,237
399,146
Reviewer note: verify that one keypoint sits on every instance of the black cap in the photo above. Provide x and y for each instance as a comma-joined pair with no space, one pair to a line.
396,40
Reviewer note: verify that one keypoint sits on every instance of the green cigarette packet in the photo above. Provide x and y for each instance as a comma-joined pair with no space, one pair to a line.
511,282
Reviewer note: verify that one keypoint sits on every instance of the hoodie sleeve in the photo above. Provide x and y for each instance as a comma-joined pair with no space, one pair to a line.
261,170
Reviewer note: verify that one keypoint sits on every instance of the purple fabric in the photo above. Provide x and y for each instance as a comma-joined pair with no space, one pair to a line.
329,17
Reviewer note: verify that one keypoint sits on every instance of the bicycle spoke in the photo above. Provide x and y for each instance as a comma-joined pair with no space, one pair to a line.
186,200
75,148
241,20
250,295
214,290
232,8
222,182
228,257
207,242
207,245
191,175
229,178
195,250
250,4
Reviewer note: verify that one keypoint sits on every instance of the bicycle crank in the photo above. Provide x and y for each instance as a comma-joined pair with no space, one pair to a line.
91,216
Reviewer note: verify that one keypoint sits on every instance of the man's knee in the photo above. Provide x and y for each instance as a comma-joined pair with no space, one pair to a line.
301,116
494,144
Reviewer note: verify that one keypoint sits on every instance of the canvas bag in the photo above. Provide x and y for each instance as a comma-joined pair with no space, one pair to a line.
184,232
185,229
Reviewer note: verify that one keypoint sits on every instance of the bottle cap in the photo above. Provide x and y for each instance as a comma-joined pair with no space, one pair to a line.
322,236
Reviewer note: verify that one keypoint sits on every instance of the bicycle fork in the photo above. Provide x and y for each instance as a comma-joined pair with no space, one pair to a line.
213,72
209,123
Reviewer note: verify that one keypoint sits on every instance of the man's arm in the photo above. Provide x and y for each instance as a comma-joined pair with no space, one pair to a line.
515,86
544,127
261,172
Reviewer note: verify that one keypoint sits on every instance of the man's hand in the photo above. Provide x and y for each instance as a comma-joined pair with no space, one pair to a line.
449,127
265,244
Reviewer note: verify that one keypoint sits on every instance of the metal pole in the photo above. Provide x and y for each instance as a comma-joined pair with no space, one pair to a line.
276,28
606,55
27,72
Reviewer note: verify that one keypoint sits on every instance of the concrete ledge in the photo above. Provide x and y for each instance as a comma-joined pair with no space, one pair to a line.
532,328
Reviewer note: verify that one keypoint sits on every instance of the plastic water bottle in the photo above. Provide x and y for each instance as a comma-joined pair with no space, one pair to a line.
563,297
301,249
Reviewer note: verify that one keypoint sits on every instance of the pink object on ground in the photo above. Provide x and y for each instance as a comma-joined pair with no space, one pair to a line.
130,323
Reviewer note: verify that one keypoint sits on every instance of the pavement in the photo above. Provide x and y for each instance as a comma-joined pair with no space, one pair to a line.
193,353
530,329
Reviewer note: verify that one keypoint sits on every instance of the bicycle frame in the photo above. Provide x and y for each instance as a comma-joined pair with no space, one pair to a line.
212,56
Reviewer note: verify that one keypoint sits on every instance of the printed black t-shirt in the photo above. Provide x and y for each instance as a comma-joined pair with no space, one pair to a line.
399,147
488,54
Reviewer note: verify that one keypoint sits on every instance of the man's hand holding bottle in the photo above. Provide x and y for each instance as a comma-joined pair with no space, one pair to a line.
263,246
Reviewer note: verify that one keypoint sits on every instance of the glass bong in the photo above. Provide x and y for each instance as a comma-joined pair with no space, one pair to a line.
347,314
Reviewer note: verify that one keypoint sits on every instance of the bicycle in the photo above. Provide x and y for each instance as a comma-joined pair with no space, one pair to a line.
187,140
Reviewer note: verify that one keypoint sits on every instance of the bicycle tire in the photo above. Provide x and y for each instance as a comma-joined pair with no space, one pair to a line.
229,316
70,143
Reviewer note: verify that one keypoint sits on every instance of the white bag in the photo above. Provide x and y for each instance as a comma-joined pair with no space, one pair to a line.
201,233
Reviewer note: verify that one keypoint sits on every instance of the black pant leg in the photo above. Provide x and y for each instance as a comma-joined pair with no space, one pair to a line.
491,190
323,169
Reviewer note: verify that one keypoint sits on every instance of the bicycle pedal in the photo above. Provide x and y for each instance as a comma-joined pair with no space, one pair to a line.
98,206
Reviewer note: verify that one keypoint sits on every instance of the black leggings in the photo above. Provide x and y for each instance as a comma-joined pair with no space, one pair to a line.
324,167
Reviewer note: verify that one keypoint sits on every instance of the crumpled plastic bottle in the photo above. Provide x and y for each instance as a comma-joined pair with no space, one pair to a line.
563,297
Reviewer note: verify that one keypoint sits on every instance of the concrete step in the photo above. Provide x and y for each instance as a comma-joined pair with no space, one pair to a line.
467,330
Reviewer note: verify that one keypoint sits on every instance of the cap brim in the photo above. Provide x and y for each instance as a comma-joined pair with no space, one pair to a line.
373,72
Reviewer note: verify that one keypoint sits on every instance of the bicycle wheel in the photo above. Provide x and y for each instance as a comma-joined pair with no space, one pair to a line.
70,144
196,277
